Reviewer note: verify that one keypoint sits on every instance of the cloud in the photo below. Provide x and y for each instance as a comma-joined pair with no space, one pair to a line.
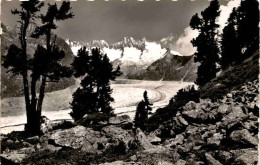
183,43
225,12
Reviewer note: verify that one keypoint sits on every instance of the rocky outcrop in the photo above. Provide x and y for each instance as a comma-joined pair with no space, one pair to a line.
57,136
79,137
219,132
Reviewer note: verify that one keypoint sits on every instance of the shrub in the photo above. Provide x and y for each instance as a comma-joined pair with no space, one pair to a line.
182,97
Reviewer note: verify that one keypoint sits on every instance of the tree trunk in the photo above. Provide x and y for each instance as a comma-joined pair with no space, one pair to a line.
33,93
41,96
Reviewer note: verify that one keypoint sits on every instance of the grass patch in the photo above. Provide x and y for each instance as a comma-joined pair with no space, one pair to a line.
232,78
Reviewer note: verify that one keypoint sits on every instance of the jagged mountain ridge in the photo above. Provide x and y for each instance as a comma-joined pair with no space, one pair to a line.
136,56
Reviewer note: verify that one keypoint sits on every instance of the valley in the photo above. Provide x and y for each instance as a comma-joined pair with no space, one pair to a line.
127,94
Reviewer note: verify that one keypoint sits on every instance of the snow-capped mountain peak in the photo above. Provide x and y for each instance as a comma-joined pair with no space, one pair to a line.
128,51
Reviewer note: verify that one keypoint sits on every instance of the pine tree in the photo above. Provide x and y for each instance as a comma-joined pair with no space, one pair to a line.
143,109
229,44
140,114
248,29
147,103
95,92
207,53
17,60
45,64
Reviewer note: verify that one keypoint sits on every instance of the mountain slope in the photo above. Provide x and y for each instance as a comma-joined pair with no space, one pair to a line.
170,67
12,85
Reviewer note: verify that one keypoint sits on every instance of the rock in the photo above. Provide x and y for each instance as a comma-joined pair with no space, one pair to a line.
9,141
194,114
191,105
182,121
16,156
142,139
229,95
205,105
120,119
251,126
27,144
45,125
224,109
211,160
175,141
52,148
12,157
152,138
93,119
225,156
81,138
123,121
186,147
163,162
180,162
215,139
133,158
246,156
33,138
244,137
117,134
120,162
235,114
27,150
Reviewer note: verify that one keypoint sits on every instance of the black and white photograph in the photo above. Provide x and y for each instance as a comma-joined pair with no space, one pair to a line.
129,82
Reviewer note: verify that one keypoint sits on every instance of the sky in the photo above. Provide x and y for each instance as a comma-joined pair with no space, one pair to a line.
115,19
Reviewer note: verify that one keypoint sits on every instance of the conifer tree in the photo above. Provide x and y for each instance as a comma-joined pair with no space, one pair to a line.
143,109
17,60
95,92
248,27
207,53
45,64
229,43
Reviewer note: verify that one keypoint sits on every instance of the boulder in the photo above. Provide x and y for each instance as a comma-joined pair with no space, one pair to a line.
16,156
13,158
46,125
191,105
120,162
224,109
152,138
141,138
123,121
244,137
246,156
194,114
211,160
205,105
81,138
225,156
182,121
117,134
229,95
175,141
215,139
180,162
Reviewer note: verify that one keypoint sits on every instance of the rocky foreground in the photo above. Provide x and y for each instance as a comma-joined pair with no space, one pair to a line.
221,132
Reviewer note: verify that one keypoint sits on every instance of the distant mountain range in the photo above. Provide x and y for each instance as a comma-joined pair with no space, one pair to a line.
138,59
142,59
